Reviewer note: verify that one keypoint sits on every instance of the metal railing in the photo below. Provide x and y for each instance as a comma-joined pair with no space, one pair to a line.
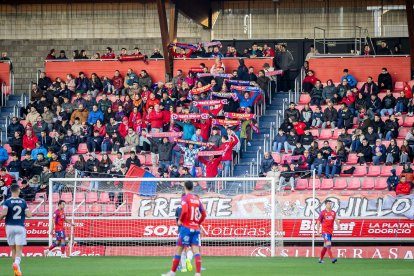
11,83
7,124
258,158
3,93
252,168
30,91
38,72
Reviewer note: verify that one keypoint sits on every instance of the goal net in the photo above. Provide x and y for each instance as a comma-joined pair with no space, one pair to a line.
136,216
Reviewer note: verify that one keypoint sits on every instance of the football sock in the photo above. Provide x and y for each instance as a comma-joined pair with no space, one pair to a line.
197,258
176,262
323,253
52,246
330,253
17,261
63,249
183,259
190,255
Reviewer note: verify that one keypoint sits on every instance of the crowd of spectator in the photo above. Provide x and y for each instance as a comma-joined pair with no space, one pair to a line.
365,121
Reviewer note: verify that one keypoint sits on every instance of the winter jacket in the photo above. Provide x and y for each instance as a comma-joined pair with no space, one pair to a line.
211,166
403,189
36,151
385,81
131,140
292,113
4,156
369,89
188,129
388,102
328,92
306,140
395,152
13,127
267,164
190,155
81,114
95,116
316,93
330,115
29,142
280,138
351,80
165,151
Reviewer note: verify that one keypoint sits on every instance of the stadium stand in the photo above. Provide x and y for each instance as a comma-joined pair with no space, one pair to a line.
102,116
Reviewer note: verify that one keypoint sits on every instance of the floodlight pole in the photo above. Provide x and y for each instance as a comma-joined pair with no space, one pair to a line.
313,213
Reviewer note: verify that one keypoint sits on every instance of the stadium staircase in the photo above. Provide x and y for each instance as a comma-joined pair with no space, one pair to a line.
12,108
248,161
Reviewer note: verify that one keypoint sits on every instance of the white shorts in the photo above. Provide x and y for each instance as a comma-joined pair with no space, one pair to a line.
16,235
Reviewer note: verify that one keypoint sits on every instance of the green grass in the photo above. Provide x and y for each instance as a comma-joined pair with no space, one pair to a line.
252,266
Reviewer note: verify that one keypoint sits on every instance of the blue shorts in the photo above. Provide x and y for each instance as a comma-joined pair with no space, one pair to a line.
327,237
60,235
188,237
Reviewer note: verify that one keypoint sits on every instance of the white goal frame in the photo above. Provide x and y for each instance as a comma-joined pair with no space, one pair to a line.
273,215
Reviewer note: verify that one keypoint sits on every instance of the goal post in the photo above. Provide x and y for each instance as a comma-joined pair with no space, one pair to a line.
136,216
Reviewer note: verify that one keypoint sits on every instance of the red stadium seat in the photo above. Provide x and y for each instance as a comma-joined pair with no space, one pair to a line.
326,134
340,183
317,184
7,148
360,171
82,148
40,197
352,159
374,170
95,209
104,198
327,184
402,132
359,85
80,197
314,132
386,171
277,157
91,197
344,168
109,209
354,183
380,183
302,184
386,143
368,183
304,99
66,197
400,142
398,170
335,134
408,121
55,197
399,86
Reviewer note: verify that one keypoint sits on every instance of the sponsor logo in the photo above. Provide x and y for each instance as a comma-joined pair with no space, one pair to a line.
261,252
344,229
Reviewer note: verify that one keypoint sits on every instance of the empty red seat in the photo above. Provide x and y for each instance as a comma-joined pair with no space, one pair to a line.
304,99
277,157
91,197
80,197
381,183
368,183
302,184
66,197
408,121
386,170
55,197
82,148
399,86
402,132
327,184
335,134
40,197
360,171
317,184
340,183
314,132
344,168
352,159
354,183
326,134
104,198
359,85
399,169
109,209
374,170
95,209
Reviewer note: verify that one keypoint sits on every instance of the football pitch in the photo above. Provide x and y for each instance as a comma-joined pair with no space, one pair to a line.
237,266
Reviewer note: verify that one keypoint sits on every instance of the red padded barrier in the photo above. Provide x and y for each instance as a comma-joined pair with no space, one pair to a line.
360,67
5,72
54,69
229,63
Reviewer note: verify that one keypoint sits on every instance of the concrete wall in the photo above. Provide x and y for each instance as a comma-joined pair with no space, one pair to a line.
28,32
